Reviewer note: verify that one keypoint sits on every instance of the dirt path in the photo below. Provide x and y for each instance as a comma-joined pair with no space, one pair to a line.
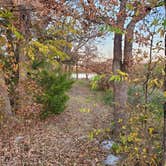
66,139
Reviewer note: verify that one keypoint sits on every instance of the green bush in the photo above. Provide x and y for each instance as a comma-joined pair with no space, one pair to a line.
156,102
95,81
108,97
136,96
155,99
55,84
100,82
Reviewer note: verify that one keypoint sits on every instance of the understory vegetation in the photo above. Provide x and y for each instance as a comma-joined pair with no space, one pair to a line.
77,73
140,138
55,85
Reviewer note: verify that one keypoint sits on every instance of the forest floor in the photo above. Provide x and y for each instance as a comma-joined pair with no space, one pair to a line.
69,139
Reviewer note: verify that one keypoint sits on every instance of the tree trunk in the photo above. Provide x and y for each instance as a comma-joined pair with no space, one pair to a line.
70,68
128,44
76,70
86,76
5,105
120,100
164,128
22,77
120,89
117,59
86,72
164,137
125,63
24,16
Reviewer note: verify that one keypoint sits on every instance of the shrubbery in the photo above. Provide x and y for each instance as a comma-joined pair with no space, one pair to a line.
95,82
108,97
136,96
54,97
141,137
155,99
101,82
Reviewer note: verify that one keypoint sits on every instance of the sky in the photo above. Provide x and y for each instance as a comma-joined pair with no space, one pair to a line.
105,46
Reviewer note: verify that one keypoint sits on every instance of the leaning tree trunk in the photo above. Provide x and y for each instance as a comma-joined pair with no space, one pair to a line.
5,105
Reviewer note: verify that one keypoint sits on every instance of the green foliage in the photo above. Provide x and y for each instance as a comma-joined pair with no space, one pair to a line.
9,58
129,6
108,97
104,81
16,33
116,148
6,22
116,78
95,82
6,16
164,23
155,99
120,76
156,102
94,133
140,138
46,50
109,28
52,44
54,97
37,64
135,95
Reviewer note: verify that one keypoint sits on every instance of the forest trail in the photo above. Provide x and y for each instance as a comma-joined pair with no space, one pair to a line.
65,139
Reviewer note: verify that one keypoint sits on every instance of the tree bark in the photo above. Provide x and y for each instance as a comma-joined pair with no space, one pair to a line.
86,71
77,70
164,106
164,137
5,105
123,62
24,16
117,59
128,44
120,88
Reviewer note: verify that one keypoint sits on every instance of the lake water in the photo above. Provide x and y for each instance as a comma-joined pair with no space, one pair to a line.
83,75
